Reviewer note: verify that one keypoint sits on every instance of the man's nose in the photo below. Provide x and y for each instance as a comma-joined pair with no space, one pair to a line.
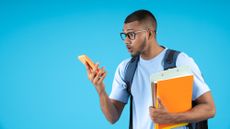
127,40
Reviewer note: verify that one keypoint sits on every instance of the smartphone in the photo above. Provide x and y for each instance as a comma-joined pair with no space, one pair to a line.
86,60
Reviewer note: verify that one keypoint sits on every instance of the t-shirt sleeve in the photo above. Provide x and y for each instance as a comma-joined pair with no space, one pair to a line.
119,91
199,85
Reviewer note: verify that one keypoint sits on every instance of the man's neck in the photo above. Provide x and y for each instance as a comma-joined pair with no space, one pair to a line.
153,50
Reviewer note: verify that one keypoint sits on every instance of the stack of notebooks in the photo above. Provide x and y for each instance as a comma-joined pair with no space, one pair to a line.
174,88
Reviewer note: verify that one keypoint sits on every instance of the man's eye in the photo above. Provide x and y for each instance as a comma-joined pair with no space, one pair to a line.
131,34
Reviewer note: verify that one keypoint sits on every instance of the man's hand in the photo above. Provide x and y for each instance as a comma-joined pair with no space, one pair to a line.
96,76
204,110
160,115
111,108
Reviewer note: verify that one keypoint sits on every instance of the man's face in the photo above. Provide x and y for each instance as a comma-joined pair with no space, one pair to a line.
135,38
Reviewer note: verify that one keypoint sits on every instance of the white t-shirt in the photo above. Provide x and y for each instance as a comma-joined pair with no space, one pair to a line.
141,89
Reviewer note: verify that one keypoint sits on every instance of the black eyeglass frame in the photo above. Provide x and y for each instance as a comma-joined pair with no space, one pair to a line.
124,35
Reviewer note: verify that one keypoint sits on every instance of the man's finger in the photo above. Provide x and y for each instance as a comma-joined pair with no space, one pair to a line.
160,104
99,74
93,74
87,68
151,109
102,77
96,75
96,67
151,112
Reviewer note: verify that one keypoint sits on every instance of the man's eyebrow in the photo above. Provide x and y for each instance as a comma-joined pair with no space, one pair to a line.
127,29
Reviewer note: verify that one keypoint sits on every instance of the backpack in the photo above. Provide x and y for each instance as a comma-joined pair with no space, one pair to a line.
169,61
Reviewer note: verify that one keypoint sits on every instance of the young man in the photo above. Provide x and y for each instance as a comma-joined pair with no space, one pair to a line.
139,35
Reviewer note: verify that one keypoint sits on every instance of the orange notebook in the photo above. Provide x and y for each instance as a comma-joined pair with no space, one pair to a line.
86,60
174,88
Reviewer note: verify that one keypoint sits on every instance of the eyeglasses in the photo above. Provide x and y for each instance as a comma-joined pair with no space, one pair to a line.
130,35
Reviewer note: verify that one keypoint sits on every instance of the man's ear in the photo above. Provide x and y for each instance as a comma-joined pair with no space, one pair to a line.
150,34
153,34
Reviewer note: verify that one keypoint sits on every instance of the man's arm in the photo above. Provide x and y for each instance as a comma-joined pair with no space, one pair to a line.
204,109
112,109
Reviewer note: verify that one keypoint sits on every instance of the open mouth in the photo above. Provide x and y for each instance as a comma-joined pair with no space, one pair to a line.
129,48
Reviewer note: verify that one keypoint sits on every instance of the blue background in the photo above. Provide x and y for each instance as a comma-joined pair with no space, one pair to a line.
44,86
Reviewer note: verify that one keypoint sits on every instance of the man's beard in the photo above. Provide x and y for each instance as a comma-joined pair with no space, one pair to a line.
140,50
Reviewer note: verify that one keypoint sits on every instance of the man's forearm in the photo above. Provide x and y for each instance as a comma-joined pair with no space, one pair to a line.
197,113
96,76
108,108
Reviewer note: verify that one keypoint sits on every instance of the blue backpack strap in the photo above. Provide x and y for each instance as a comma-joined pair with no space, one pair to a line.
130,71
129,74
169,60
